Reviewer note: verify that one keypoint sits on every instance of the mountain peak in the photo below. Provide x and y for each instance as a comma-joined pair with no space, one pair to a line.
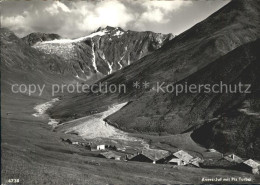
108,29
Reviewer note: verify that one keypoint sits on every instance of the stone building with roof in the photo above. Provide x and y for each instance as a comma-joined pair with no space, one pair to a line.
250,166
110,155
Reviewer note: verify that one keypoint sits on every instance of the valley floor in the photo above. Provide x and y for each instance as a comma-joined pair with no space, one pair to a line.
34,154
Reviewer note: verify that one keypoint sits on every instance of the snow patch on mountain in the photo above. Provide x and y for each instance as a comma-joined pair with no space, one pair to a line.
66,41
128,60
118,33
249,112
119,62
65,51
42,108
246,109
110,67
102,55
120,65
93,56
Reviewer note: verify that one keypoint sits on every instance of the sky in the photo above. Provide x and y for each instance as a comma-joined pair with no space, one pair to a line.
72,19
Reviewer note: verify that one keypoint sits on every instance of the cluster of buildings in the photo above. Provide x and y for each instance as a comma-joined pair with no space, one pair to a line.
182,158
248,165
179,158
232,161
90,146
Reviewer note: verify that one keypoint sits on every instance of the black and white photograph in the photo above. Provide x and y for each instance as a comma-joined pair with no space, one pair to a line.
130,92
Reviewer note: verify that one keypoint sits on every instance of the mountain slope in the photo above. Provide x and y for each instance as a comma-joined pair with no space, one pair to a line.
235,24
22,64
166,112
237,118
104,51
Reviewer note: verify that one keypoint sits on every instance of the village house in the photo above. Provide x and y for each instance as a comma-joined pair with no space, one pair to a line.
176,161
121,149
211,150
250,166
233,158
101,147
183,156
111,147
140,157
150,156
213,154
128,157
196,162
110,155
97,147
75,142
66,140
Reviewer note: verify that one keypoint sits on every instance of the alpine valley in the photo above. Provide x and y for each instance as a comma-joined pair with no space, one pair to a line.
49,139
